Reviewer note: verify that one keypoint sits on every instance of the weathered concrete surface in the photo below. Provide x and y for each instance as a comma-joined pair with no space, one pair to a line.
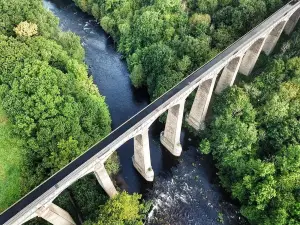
292,22
170,137
273,37
141,158
251,57
200,105
56,215
104,180
228,75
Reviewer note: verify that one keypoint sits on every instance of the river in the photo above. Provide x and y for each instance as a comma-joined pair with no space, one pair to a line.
185,190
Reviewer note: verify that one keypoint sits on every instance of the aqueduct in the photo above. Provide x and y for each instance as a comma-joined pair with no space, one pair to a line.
239,57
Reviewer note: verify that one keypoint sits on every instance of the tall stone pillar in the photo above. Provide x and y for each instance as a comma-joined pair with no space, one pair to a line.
170,137
292,22
104,180
141,158
273,37
251,57
228,75
56,215
200,105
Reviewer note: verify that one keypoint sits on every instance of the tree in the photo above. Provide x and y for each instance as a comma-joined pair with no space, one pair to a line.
148,28
200,23
207,6
137,76
123,209
26,29
157,58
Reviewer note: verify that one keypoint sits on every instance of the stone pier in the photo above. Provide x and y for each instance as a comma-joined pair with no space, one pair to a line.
228,75
273,37
200,105
104,180
141,158
56,215
251,57
292,22
170,137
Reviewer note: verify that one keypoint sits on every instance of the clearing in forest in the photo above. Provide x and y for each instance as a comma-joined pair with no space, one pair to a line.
10,160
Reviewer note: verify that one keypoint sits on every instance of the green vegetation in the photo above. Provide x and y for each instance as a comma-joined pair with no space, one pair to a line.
88,196
54,109
56,113
165,40
123,209
46,93
10,169
255,139
220,218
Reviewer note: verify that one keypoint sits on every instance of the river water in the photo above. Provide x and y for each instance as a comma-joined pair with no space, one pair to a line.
185,190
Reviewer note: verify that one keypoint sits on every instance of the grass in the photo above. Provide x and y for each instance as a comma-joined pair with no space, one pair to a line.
10,160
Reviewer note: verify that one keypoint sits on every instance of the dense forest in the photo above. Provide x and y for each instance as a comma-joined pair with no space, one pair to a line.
45,92
165,40
254,137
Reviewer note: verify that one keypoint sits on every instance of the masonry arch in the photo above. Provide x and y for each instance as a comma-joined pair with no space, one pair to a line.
273,37
251,56
201,103
292,22
228,74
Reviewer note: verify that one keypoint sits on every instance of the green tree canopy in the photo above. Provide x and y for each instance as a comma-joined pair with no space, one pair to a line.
255,139
46,93
123,209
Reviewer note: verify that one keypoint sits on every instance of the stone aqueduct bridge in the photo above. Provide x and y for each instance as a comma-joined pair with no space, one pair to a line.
239,57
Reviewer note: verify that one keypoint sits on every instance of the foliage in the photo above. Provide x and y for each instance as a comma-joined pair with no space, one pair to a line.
13,12
112,164
46,96
255,139
220,218
186,34
123,209
26,29
88,196
54,108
